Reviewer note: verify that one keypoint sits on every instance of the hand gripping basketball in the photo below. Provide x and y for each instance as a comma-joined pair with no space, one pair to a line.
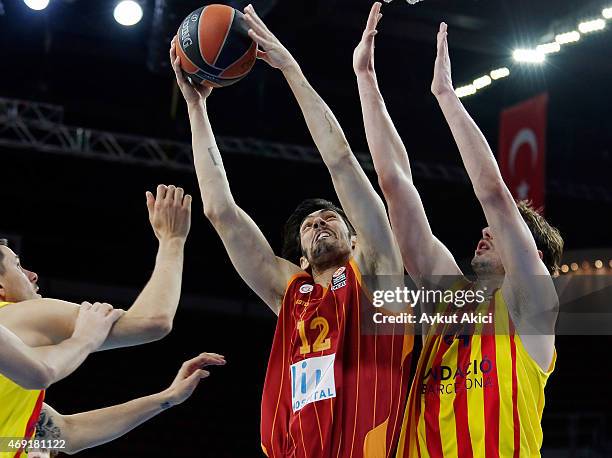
274,53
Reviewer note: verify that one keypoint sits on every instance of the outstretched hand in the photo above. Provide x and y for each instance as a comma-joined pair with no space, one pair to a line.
270,49
193,94
169,212
442,81
189,376
363,57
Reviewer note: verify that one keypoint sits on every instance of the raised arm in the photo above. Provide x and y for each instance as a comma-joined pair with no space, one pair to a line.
528,287
89,429
376,247
251,254
39,367
150,316
422,253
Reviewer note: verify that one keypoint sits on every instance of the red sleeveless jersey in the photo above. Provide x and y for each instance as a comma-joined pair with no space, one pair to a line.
331,391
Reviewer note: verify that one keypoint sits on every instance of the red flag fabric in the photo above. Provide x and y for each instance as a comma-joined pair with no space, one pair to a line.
522,149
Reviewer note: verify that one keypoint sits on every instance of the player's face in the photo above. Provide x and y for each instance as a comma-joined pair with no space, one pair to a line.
486,258
325,238
16,283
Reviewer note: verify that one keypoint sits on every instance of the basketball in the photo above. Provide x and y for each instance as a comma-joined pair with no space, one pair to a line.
214,47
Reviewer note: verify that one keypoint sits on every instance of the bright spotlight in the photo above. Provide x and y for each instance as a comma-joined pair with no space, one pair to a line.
532,56
481,82
470,89
128,12
549,48
592,26
500,73
36,4
569,37
607,13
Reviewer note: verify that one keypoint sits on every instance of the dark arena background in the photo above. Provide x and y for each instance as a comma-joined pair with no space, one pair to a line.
90,118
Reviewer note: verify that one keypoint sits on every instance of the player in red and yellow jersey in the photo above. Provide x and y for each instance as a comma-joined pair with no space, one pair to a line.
477,391
45,326
25,372
329,391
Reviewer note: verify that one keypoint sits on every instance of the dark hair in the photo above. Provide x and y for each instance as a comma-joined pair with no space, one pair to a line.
292,247
3,242
547,238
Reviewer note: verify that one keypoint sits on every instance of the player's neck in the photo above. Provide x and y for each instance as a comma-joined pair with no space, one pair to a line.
489,283
322,275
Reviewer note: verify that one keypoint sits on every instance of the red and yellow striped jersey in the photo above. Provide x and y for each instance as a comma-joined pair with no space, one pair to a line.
331,391
19,411
476,393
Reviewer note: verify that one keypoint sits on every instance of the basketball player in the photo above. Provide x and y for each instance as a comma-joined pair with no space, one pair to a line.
492,403
37,368
40,322
90,429
329,390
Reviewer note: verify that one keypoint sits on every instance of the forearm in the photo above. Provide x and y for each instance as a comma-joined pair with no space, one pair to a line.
89,429
37,368
212,179
62,359
151,315
476,154
322,124
388,152
161,295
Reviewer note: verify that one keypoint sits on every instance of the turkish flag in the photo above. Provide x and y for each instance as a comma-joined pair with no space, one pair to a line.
522,149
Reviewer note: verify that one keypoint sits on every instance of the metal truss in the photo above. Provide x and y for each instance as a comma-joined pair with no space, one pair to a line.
38,126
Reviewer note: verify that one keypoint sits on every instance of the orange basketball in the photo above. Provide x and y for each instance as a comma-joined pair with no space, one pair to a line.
214,47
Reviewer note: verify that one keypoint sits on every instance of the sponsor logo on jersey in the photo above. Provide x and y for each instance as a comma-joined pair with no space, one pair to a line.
312,380
338,279
305,289
339,272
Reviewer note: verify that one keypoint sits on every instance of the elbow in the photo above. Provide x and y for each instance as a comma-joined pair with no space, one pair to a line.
493,191
217,213
392,182
160,327
40,378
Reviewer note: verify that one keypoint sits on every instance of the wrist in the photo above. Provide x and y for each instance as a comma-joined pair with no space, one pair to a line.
445,94
292,68
165,399
367,75
87,343
172,244
196,106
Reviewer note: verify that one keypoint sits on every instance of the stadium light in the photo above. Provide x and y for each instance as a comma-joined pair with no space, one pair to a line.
464,91
568,37
128,12
500,73
531,56
592,26
549,48
607,13
37,5
481,82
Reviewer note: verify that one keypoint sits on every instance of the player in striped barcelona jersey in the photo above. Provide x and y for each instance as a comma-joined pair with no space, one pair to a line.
329,390
479,392
42,322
